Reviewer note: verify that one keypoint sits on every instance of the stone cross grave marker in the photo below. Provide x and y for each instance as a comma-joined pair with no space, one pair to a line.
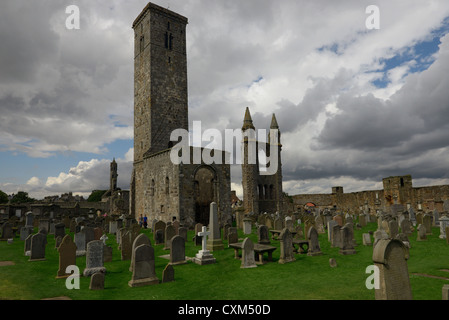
204,256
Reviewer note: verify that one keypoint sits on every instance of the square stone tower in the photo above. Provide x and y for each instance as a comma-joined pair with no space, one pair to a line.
160,79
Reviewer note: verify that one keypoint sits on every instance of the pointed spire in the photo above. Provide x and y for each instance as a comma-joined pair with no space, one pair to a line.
248,121
274,123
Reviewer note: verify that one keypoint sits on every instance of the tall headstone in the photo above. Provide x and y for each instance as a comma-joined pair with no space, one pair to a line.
139,240
144,272
444,223
177,250
214,243
170,232
94,258
38,244
336,241
314,244
80,241
427,221
248,260
67,256
330,225
286,247
389,255
393,228
247,225
347,243
126,244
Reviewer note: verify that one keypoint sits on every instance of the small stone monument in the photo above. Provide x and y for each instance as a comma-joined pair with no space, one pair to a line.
144,273
248,260
214,242
204,256
94,258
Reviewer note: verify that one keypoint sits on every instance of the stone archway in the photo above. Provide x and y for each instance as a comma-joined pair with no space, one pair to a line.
205,192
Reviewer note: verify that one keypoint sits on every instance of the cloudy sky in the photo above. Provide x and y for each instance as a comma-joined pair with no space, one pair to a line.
354,105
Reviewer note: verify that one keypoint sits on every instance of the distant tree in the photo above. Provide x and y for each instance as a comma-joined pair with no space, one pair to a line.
3,197
96,195
22,197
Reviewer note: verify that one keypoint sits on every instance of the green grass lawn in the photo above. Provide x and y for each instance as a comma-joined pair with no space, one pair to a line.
308,278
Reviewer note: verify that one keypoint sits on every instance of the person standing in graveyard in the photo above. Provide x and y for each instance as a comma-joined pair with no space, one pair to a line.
141,221
145,222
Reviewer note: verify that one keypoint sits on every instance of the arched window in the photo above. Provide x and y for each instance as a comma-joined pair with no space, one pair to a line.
152,188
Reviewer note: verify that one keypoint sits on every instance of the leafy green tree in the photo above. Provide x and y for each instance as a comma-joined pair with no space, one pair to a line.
22,197
96,195
3,197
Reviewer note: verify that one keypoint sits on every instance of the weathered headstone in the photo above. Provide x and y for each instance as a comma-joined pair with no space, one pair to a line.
444,223
247,226
38,244
248,260
214,242
278,224
233,236
389,255
97,281
168,275
139,240
177,250
379,234
159,237
314,244
160,225
263,236
25,232
59,230
366,239
113,227
286,247
126,244
427,222
169,234
406,227
6,230
144,272
347,243
94,258
182,231
393,228
422,233
67,256
29,219
336,236
80,241
445,293
330,225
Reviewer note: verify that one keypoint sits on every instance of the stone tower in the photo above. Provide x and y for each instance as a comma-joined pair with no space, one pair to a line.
160,79
160,86
262,192
113,176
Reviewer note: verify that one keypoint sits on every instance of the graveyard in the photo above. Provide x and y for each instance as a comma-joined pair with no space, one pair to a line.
307,275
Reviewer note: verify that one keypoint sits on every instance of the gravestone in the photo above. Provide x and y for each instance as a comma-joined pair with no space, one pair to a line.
59,230
314,244
436,218
27,247
248,260
269,222
126,244
97,281
29,219
44,224
422,233
182,231
339,219
67,256
427,222
139,240
113,227
170,232
90,234
393,228
6,231
336,236
176,226
177,251
366,239
406,227
214,242
286,247
37,249
347,243
94,258
445,292
168,275
204,256
444,223
319,225
330,225
159,237
247,226
379,234
278,224
389,255
25,232
289,224
80,241
160,225
233,236
72,226
263,236
362,220
144,272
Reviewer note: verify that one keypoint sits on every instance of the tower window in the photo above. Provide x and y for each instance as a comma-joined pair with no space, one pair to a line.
168,25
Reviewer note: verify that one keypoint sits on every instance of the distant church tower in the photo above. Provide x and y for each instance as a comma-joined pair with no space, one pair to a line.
261,193
113,176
